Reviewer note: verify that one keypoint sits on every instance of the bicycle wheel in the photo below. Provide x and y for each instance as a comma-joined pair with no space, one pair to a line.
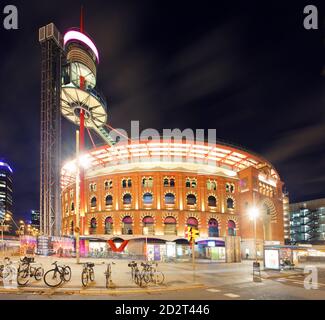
66,273
84,278
39,272
158,277
52,278
91,274
146,276
23,277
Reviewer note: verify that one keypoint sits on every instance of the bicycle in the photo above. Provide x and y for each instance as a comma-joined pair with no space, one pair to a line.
57,275
155,276
132,265
137,275
27,271
87,273
108,275
7,270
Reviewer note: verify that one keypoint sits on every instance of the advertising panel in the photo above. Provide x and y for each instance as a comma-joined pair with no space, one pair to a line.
271,259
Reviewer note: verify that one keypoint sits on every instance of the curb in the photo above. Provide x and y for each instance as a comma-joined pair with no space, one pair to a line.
90,291
283,275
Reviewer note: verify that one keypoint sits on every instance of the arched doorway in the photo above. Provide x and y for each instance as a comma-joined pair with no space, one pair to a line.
231,228
148,222
109,225
213,228
170,226
127,225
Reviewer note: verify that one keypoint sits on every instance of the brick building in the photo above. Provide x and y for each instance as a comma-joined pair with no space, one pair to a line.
156,189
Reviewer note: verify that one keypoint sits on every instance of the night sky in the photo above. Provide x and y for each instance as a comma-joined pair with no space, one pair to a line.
248,69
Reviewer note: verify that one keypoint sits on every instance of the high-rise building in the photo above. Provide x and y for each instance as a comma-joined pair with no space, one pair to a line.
286,218
35,219
5,189
307,222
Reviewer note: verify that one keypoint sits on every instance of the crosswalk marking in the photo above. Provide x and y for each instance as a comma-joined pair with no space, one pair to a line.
231,295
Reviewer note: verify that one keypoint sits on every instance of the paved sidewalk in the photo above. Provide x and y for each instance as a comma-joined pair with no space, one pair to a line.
121,278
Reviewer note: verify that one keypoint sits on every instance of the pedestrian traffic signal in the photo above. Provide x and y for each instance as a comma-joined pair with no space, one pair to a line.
191,233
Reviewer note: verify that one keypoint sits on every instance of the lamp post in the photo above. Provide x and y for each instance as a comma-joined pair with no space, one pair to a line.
253,214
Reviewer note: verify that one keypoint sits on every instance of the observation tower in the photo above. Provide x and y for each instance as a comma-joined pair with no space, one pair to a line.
69,71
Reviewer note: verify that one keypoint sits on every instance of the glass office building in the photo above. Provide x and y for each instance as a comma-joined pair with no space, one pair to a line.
307,222
5,189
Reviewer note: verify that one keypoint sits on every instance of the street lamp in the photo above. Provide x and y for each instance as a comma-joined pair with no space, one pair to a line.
253,214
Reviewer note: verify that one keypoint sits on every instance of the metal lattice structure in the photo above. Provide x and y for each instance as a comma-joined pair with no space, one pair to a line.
50,147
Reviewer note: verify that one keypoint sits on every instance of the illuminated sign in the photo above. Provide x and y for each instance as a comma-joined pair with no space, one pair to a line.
76,35
271,259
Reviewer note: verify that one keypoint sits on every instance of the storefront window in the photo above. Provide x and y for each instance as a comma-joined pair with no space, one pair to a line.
170,226
108,225
148,222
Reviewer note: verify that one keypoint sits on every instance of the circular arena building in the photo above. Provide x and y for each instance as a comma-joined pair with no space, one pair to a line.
141,197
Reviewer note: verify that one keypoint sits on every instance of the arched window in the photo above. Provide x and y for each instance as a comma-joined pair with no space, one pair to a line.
72,206
93,202
188,183
193,183
129,183
192,222
108,200
71,228
172,182
166,182
212,201
147,198
231,228
170,226
124,183
191,199
92,187
127,225
169,198
127,198
93,226
230,203
108,184
213,228
108,225
148,222
230,187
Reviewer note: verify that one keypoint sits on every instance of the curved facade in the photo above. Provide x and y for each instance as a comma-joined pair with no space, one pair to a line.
159,188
